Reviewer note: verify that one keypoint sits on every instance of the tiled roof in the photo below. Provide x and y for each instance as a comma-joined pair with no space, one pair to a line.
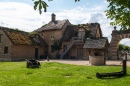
52,25
91,26
39,40
95,43
22,38
70,32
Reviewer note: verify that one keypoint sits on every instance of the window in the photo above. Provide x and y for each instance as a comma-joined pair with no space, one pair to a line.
0,38
52,35
5,50
42,36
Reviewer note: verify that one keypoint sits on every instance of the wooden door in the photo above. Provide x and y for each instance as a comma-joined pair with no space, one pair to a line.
36,53
80,53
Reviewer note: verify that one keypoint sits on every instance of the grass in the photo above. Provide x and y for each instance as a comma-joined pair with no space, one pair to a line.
57,74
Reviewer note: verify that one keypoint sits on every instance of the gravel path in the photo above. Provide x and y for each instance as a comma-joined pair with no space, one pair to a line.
86,62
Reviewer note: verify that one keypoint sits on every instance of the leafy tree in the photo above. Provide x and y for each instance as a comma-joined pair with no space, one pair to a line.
57,45
119,11
123,47
126,48
120,47
40,4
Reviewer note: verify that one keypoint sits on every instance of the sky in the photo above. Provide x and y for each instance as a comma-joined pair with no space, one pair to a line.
20,14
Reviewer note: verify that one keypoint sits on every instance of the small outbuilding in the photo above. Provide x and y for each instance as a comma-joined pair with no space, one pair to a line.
97,49
19,45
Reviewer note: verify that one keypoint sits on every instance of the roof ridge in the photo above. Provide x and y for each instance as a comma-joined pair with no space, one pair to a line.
11,29
52,25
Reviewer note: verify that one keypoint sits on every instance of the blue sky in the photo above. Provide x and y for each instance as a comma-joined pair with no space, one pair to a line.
20,14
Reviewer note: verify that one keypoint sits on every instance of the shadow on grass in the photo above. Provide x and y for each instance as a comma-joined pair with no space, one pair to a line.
112,65
115,77
29,73
89,77
68,74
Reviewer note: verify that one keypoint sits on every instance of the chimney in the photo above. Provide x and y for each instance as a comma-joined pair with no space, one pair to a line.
53,17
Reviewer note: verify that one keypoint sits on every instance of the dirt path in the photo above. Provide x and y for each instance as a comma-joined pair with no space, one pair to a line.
85,62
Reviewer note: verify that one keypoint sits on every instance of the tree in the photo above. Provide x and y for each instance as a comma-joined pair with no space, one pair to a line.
120,47
126,48
57,45
119,11
40,4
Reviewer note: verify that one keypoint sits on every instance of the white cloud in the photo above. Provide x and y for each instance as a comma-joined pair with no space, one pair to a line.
96,17
23,16
125,41
105,2
77,16
20,15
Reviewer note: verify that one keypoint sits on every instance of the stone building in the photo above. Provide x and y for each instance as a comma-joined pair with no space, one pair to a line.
54,30
73,37
76,42
18,45
80,40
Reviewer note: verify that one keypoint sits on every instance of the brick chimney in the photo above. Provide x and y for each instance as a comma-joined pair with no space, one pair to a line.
53,17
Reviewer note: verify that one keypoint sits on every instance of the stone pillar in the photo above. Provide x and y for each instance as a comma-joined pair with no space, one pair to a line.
114,45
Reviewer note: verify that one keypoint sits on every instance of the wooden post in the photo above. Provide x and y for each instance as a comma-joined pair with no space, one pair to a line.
124,65
104,56
47,58
89,51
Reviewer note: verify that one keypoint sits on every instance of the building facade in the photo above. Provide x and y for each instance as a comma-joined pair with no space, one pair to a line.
59,39
73,38
18,45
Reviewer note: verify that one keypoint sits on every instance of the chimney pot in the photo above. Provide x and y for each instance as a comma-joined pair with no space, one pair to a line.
53,17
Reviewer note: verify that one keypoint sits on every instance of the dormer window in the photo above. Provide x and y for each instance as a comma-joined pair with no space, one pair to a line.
81,33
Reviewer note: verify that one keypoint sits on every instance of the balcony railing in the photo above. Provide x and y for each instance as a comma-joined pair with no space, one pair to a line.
76,40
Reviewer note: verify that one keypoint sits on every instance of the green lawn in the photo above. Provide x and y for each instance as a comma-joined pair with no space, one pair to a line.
57,74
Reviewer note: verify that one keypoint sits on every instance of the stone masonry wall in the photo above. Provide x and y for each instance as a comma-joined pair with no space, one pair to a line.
117,36
5,42
23,52
86,54
47,37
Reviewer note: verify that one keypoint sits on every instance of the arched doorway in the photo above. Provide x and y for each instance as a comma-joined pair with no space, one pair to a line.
124,47
117,36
